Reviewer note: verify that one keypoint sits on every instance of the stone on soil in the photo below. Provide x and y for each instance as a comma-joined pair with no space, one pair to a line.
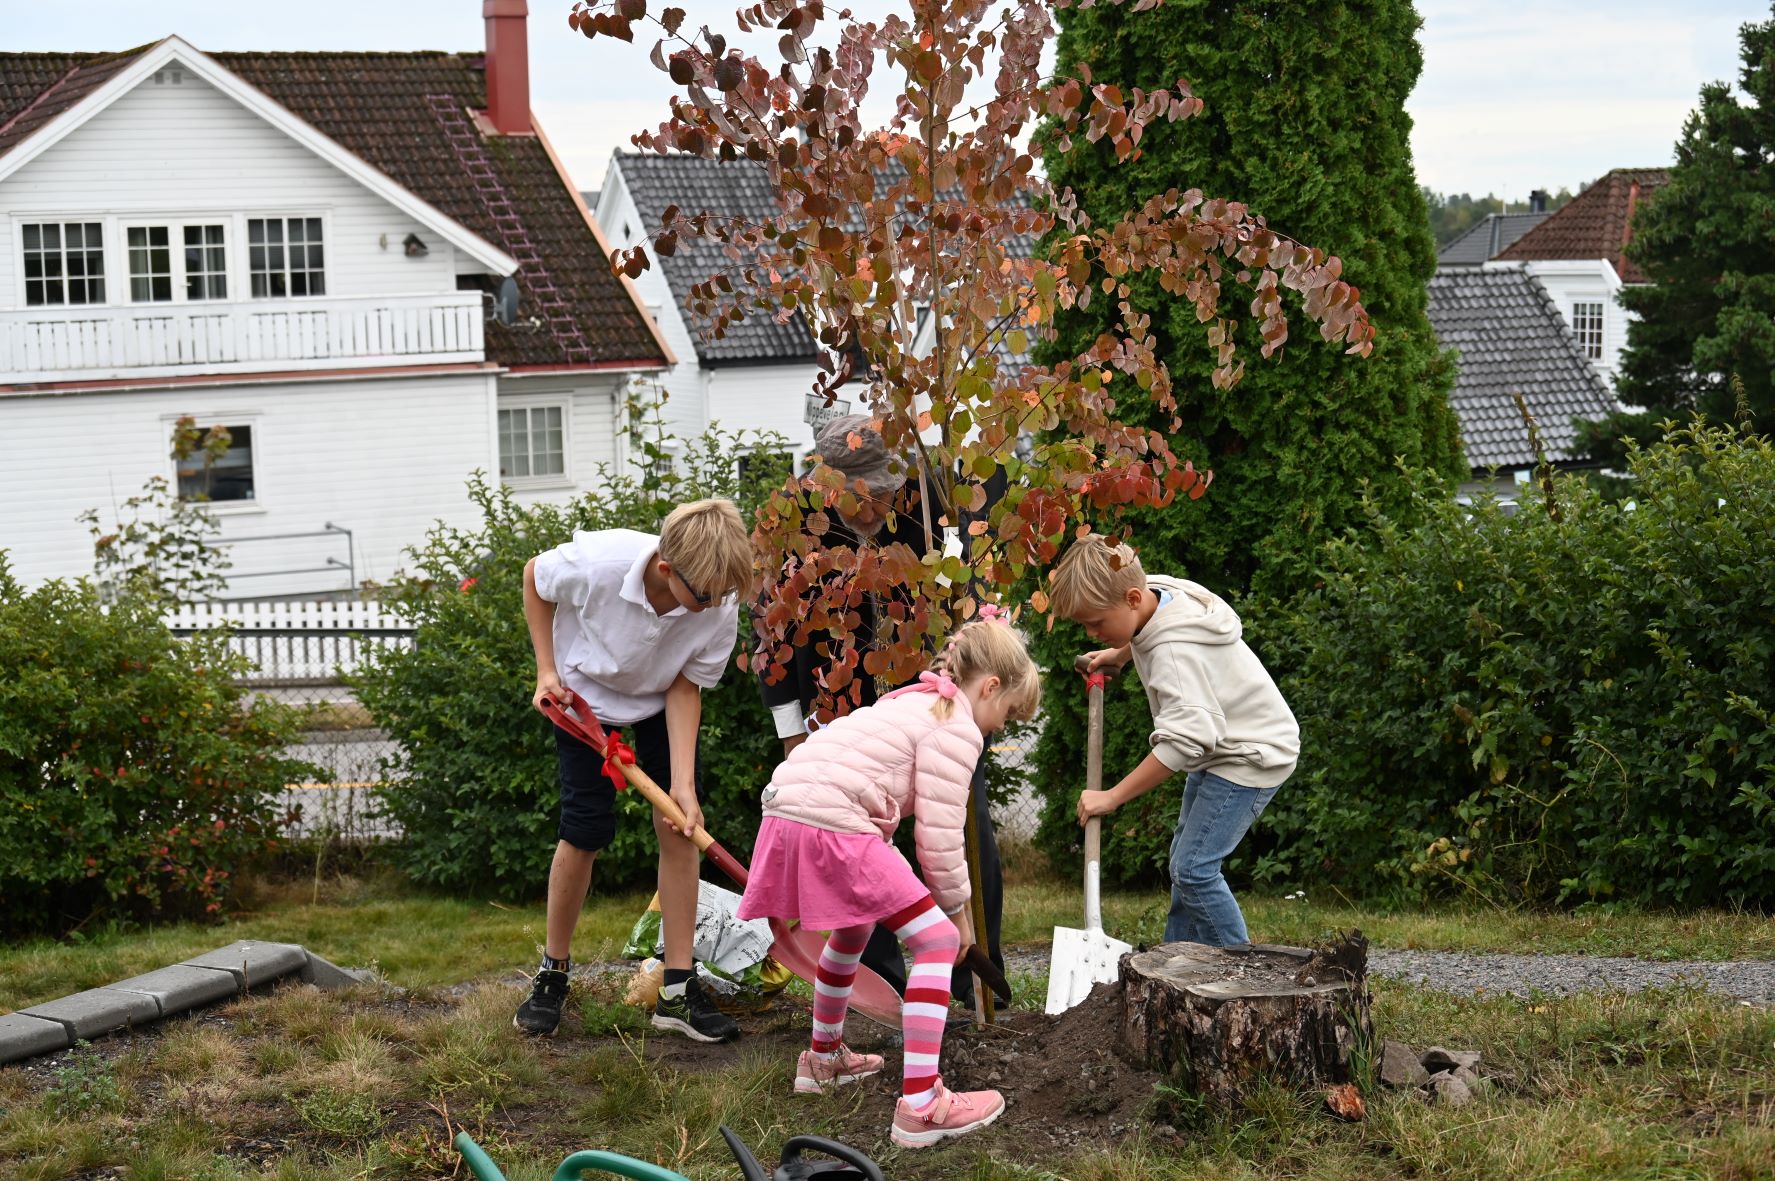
1400,1066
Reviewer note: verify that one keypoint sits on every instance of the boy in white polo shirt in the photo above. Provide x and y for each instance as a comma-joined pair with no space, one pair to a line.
638,626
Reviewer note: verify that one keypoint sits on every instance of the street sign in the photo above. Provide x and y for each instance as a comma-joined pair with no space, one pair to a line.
817,414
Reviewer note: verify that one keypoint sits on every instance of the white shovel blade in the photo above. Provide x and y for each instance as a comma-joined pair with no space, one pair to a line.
1081,961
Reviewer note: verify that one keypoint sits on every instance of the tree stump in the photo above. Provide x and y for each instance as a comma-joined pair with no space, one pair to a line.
1221,1019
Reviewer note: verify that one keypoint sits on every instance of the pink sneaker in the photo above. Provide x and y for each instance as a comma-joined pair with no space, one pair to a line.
952,1113
814,1076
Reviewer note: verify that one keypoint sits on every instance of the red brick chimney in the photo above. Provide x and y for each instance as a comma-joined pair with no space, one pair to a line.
508,65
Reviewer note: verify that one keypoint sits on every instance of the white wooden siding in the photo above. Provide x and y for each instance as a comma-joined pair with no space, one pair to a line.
592,407
185,150
1585,280
766,398
686,413
381,457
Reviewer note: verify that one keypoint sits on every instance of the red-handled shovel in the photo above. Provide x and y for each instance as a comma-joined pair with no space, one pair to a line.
796,948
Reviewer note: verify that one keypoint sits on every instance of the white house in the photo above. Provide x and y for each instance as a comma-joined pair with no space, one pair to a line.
371,268
1579,253
757,377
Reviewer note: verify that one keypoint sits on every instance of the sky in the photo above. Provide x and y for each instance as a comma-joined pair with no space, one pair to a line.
1513,97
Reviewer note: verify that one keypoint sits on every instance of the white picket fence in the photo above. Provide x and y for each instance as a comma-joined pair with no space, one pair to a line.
298,643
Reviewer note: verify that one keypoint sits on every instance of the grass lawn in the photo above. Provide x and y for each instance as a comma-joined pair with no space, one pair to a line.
299,1085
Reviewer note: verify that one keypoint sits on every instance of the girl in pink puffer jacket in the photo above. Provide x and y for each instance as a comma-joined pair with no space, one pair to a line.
824,857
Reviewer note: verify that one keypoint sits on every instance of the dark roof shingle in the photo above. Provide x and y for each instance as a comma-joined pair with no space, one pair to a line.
740,189
1485,238
1597,223
385,108
1512,339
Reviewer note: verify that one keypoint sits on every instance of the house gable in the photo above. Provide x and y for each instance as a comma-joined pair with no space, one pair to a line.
1596,224
175,55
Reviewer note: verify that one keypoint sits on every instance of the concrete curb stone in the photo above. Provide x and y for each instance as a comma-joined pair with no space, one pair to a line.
254,963
97,1010
182,986
201,980
23,1036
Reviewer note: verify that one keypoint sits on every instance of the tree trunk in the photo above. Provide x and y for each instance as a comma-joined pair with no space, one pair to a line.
1221,1019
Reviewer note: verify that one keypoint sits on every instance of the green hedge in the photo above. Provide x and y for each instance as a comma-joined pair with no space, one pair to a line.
135,778
1565,704
475,791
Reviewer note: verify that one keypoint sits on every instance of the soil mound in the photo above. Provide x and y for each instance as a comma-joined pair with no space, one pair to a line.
1065,1083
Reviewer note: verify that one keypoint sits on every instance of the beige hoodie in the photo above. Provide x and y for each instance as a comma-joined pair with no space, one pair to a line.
1214,706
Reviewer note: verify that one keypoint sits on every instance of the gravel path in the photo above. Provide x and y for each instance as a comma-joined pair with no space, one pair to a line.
1751,981
1473,973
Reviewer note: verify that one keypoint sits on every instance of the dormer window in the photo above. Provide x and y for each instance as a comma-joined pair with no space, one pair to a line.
285,257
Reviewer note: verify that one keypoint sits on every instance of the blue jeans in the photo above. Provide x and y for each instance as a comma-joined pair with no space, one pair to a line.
1215,816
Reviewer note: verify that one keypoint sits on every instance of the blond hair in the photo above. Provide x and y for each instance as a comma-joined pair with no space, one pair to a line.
707,544
991,649
1094,575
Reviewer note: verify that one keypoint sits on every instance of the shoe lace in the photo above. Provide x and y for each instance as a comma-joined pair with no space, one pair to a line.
550,984
699,1002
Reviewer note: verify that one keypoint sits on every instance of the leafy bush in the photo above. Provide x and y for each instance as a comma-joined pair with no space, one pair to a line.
1570,703
475,790
135,778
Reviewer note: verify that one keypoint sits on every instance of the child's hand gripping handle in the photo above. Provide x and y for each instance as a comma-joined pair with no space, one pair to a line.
619,764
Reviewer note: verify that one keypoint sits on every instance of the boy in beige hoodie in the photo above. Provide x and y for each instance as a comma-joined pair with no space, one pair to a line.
1217,716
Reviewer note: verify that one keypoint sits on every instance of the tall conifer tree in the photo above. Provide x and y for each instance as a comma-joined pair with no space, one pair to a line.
1707,243
1306,123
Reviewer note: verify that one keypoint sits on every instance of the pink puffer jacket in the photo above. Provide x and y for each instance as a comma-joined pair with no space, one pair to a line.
869,769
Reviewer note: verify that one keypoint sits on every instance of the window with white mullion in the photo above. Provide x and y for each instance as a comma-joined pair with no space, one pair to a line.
206,262
150,264
532,442
1587,327
285,257
64,262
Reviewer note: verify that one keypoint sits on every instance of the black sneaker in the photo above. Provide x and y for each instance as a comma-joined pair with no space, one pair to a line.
694,1015
541,1014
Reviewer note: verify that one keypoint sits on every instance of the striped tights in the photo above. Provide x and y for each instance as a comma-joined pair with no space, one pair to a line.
932,941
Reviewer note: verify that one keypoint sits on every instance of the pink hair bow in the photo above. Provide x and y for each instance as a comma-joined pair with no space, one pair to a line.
941,682
993,613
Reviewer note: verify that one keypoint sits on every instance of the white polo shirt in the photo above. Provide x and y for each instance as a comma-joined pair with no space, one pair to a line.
611,647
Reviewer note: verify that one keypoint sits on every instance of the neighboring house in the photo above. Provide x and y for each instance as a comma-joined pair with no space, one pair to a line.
317,251
1492,234
1580,254
758,376
1511,339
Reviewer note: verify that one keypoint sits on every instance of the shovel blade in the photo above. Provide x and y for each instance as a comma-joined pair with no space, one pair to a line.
798,949
1081,961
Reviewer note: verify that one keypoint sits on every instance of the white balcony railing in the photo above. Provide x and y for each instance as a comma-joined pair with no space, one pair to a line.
159,340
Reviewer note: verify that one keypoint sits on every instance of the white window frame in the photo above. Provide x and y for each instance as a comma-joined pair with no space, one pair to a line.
231,419
172,264
107,247
1581,321
563,403
245,247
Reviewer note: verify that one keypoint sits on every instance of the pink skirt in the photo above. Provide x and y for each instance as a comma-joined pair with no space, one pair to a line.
828,880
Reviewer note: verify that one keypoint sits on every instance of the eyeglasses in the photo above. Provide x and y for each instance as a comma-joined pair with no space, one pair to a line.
702,599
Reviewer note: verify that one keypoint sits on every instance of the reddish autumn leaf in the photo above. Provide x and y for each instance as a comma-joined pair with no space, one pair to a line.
875,228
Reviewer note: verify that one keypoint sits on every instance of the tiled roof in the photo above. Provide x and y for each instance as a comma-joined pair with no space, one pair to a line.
1595,223
738,189
1485,238
46,84
385,108
1512,339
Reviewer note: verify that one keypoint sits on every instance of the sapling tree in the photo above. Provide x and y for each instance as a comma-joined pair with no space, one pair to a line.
933,215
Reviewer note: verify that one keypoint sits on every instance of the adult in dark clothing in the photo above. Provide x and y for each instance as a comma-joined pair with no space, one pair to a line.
791,700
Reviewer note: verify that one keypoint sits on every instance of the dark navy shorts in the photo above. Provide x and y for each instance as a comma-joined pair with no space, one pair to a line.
588,798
